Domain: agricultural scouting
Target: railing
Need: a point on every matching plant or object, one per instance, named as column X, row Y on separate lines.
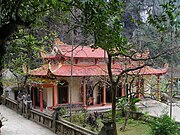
column 12, row 104
column 60, row 127
column 66, row 128
column 42, row 119
column 74, row 106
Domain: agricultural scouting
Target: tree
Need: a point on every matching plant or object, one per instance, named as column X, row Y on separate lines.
column 151, row 37
column 15, row 13
column 24, row 53
column 164, row 125
column 168, row 21
column 104, row 22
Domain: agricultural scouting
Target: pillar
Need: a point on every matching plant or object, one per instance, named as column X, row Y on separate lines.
column 123, row 89
column 84, row 94
column 41, row 99
column 158, row 88
column 138, row 88
column 55, row 94
column 104, row 94
column 33, row 97
column 142, row 87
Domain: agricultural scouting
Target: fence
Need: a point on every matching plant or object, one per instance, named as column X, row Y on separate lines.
column 12, row 104
column 60, row 127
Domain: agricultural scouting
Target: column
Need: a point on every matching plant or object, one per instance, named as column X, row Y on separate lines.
column 138, row 88
column 158, row 88
column 122, row 89
column 41, row 99
column 33, row 97
column 55, row 94
column 104, row 94
column 84, row 94
column 142, row 87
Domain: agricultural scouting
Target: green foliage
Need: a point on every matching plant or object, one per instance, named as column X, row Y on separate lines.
column 135, row 127
column 124, row 105
column 169, row 19
column 121, row 102
column 121, row 105
column 61, row 110
column 102, row 20
column 79, row 119
column 23, row 54
column 25, row 10
column 133, row 101
column 160, row 34
column 164, row 126
column 23, row 50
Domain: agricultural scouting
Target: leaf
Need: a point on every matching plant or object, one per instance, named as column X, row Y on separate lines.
column 54, row 3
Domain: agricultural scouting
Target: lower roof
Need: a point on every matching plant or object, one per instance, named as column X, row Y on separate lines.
column 90, row 70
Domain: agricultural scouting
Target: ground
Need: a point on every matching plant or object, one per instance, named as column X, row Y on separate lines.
column 156, row 108
column 134, row 127
column 18, row 125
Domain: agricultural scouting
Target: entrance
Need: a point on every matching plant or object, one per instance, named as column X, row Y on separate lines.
column 63, row 92
column 36, row 96
column 109, row 93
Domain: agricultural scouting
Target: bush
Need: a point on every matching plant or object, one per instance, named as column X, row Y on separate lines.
column 164, row 126
column 79, row 118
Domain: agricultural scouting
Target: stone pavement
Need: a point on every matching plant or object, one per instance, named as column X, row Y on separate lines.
column 156, row 108
column 18, row 125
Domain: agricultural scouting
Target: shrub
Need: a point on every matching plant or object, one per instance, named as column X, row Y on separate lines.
column 164, row 126
column 62, row 111
column 79, row 118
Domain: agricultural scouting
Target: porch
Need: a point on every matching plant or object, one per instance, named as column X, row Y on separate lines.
column 48, row 96
column 77, row 107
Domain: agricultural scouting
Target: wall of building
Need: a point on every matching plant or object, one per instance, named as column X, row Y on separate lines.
column 49, row 96
column 77, row 94
column 45, row 96
column 95, row 94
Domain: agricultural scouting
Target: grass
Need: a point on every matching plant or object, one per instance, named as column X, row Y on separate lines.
column 134, row 127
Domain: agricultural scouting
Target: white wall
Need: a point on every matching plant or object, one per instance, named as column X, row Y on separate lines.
column 49, row 96
column 45, row 95
column 76, row 90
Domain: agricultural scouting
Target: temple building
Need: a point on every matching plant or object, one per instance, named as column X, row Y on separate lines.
column 76, row 75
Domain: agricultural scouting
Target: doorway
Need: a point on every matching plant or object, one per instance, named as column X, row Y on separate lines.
column 36, row 96
column 63, row 92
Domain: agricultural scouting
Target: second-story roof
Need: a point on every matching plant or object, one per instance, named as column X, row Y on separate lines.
column 81, row 51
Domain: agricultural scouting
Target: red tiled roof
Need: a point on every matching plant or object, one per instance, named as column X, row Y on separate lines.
column 48, row 56
column 78, row 70
column 41, row 71
column 81, row 51
column 91, row 70
column 78, row 51
column 150, row 71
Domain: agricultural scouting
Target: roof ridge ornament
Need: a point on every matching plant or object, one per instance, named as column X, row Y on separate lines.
column 166, row 65
column 50, row 68
column 57, row 41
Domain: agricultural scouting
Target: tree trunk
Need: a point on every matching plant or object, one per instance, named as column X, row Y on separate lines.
column 125, row 120
column 114, row 91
